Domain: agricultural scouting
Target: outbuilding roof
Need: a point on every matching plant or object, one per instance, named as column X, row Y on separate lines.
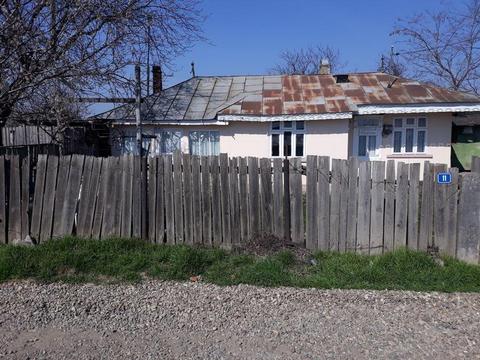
column 206, row 98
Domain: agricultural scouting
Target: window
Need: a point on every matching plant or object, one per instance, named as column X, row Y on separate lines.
column 204, row 143
column 288, row 138
column 368, row 130
column 409, row 135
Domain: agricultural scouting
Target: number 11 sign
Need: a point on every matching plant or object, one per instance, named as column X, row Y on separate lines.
column 444, row 178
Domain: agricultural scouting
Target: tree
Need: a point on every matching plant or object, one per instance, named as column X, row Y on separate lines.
column 307, row 61
column 50, row 49
column 392, row 64
column 443, row 47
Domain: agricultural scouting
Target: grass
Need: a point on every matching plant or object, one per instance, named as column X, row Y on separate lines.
column 119, row 260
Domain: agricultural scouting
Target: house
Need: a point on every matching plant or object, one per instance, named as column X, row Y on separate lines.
column 373, row 115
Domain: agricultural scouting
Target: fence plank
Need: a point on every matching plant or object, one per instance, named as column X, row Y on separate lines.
column 312, row 202
column 25, row 196
column 342, row 237
column 475, row 167
column 469, row 218
column 160, row 203
column 196, row 200
column 224, row 200
column 323, row 202
column 110, row 199
column 234, row 201
column 389, row 222
column 336, row 188
column 413, row 206
column 266, row 195
column 152, row 198
column 452, row 213
column 296, row 201
column 3, row 210
column 364, row 194
column 401, row 206
column 137, row 197
column 127, row 198
column 60, row 193
column 14, row 204
column 177, row 197
column 440, row 208
column 37, row 208
column 85, row 190
column 377, row 207
column 206, row 201
column 243, row 188
column 100, row 203
column 49, row 199
column 168, row 193
column 90, row 207
column 352, row 204
column 426, row 209
column 187, row 199
column 277, row 198
column 216, row 207
column 143, row 199
column 253, row 198
column 72, row 195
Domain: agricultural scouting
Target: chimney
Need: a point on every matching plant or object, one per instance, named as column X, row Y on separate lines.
column 157, row 79
column 324, row 67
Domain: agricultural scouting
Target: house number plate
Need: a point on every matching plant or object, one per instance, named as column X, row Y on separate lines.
column 444, row 178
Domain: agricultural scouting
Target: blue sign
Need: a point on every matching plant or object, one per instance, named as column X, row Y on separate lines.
column 444, row 178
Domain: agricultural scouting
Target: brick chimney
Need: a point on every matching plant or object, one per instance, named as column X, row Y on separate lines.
column 157, row 79
column 324, row 67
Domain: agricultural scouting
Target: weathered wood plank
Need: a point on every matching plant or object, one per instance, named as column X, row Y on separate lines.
column 136, row 197
column 377, row 207
column 216, row 207
column 3, row 202
column 475, row 168
column 266, row 195
column 342, row 237
column 364, row 197
column 49, row 199
column 413, row 206
column 206, row 201
column 312, row 202
column 253, row 198
column 225, row 201
column 426, row 209
column 187, row 198
column 335, row 189
column 440, row 208
column 177, row 197
column 169, row 199
column 401, row 206
column 71, row 195
column 152, row 198
column 452, row 213
column 234, row 201
column 60, row 193
column 389, row 221
column 143, row 199
column 323, row 202
column 90, row 208
column 277, row 198
column 127, row 198
column 352, row 204
column 84, row 195
column 196, row 200
column 14, row 204
column 243, row 188
column 468, row 245
column 25, row 196
column 100, row 202
column 110, row 200
column 160, row 203
column 296, row 200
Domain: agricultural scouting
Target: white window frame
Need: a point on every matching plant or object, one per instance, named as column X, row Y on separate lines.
column 209, row 143
column 403, row 130
column 368, row 130
column 281, row 130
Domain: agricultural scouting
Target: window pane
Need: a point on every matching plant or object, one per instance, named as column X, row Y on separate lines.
column 214, row 143
column 287, row 124
column 421, row 141
column 397, row 141
column 422, row 122
column 299, row 145
column 275, row 145
column 410, row 121
column 168, row 142
column 300, row 125
column 275, row 125
column 368, row 122
column 194, row 143
column 287, row 143
column 129, row 145
column 409, row 140
column 398, row 123
column 204, row 143
column 372, row 145
column 362, row 145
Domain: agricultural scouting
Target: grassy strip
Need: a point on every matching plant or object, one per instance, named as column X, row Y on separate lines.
column 77, row 260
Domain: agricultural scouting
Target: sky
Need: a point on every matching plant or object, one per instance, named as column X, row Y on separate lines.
column 246, row 37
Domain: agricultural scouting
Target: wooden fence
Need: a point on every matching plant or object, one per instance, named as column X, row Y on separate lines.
column 369, row 207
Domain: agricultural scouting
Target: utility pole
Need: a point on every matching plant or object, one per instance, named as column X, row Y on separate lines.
column 138, row 101
column 149, row 22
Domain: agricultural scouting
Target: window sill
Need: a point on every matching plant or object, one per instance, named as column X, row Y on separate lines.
column 409, row 156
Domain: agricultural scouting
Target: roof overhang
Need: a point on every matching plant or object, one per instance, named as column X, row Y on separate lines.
column 286, row 117
column 418, row 108
column 171, row 122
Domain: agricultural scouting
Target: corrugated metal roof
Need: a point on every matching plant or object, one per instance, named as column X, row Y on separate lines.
column 203, row 98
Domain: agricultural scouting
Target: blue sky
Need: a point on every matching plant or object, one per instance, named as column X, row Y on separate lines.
column 246, row 37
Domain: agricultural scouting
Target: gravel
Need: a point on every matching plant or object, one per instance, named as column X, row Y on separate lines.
column 167, row 320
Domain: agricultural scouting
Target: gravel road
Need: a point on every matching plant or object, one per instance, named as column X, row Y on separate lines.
column 166, row 320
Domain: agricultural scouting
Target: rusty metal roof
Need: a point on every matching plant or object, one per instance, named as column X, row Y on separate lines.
column 203, row 98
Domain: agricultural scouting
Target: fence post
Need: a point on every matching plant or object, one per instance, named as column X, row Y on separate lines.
column 286, row 200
